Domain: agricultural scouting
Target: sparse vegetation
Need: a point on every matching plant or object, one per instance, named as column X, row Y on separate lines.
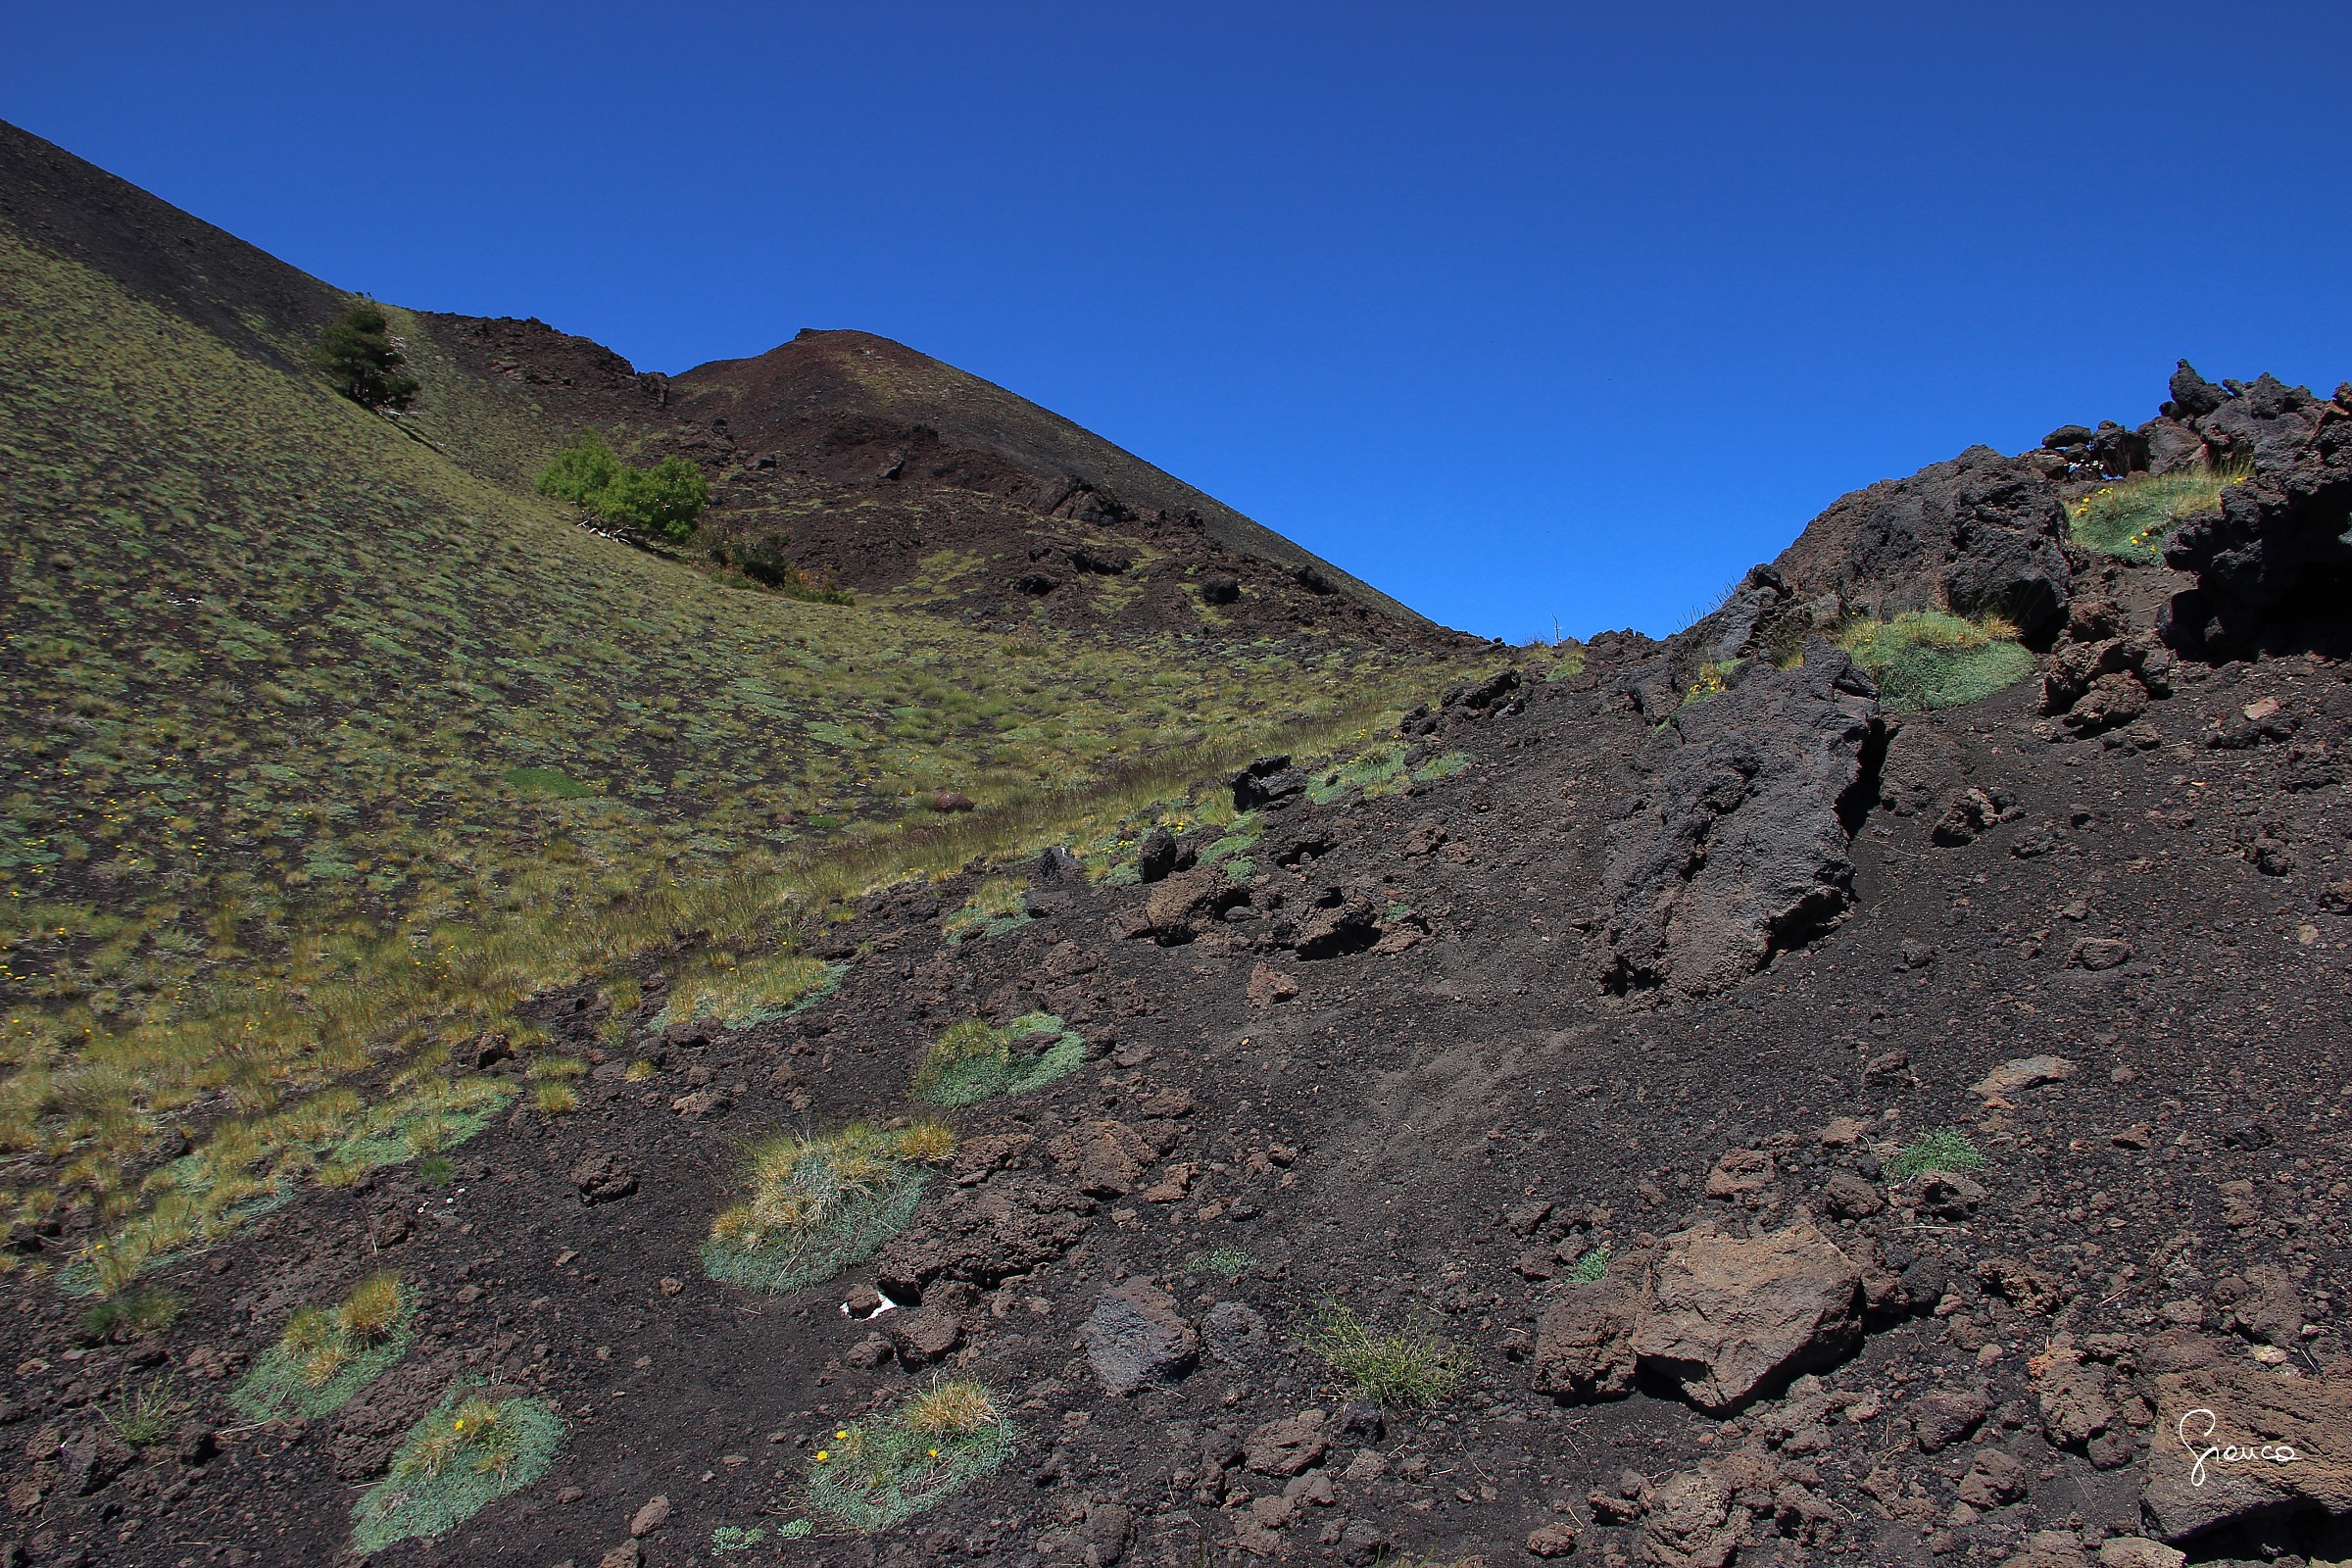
column 995, row 907
column 1227, row 1262
column 1945, row 1148
column 2132, row 517
column 821, row 1202
column 1924, row 658
column 357, row 354
column 148, row 1414
column 975, row 1061
column 740, row 993
column 469, row 1452
column 326, row 1356
column 142, row 1311
column 1591, row 1267
column 554, row 1099
column 874, row 1474
column 1413, row 1365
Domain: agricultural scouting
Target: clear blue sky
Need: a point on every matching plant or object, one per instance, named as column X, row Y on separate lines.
column 1520, row 312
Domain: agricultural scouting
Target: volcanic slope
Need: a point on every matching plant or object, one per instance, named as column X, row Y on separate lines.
column 326, row 738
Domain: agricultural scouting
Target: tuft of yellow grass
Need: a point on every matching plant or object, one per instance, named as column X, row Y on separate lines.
column 374, row 1306
column 953, row 1409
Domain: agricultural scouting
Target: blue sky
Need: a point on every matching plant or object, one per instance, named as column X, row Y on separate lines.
column 1525, row 312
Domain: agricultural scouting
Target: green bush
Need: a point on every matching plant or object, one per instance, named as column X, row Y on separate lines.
column 355, row 352
column 468, row 1453
column 665, row 499
column 1926, row 659
column 973, row 1061
column 2132, row 517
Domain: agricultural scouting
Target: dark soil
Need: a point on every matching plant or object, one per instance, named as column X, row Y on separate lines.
column 2168, row 916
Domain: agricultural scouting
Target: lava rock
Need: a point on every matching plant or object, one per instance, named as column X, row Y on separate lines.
column 1135, row 1339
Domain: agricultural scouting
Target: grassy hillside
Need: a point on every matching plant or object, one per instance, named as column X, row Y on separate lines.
column 324, row 747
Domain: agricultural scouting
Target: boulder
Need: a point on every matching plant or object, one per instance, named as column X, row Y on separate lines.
column 1234, row 1332
column 2234, row 1441
column 1731, row 1314
column 981, row 1234
column 1584, row 1342
column 2021, row 1073
column 1736, row 846
column 1944, row 1417
column 1135, row 1339
column 1690, row 1523
column 1739, row 1171
column 2273, row 563
column 1265, row 781
column 1284, row 1448
column 1349, row 925
column 1185, row 903
column 1994, row 1481
column 600, row 1177
column 1106, row 1158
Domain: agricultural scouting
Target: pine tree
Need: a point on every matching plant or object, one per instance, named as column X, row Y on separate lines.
column 355, row 353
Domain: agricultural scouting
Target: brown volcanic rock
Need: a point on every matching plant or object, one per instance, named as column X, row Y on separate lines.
column 2221, row 1437
column 1728, row 1314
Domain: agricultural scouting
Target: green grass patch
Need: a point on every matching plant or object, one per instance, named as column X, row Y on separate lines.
column 1376, row 773
column 1240, row 836
column 2132, row 518
column 468, row 1453
column 552, row 782
column 1591, row 1267
column 1945, row 1148
column 975, row 1061
column 739, row 994
column 140, row 1311
column 998, row 905
column 1413, row 1365
column 327, row 1354
column 1924, row 658
column 820, row 1203
column 875, row 1473
column 1438, row 768
column 1226, row 1263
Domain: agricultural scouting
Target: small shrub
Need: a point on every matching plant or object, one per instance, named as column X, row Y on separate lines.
column 974, row 1060
column 1945, row 1148
column 581, row 472
column 2132, row 517
column 1924, row 658
column 325, row 1355
column 1590, row 1267
column 1410, row 1366
column 820, row 1204
column 470, row 1451
column 355, row 351
column 874, row 1474
column 146, row 1416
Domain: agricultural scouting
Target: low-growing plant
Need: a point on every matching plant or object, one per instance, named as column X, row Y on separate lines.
column 554, row 1099
column 1924, row 658
column 138, row 1311
column 470, row 1451
column 1228, row 1262
column 2132, row 517
column 1413, row 1365
column 820, row 1203
column 1591, row 1267
column 996, row 906
column 147, row 1415
column 1444, row 767
column 975, row 1061
column 327, row 1354
column 740, row 993
column 1945, row 1148
column 874, row 1474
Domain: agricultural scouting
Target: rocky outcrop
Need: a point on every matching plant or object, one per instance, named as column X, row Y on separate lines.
column 1736, row 847
column 1981, row 533
column 2273, row 563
